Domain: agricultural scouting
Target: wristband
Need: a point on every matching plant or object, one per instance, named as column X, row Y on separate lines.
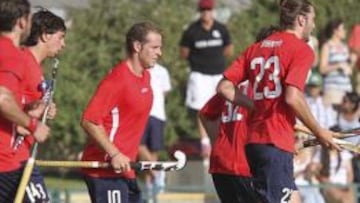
column 114, row 155
column 33, row 124
column 205, row 141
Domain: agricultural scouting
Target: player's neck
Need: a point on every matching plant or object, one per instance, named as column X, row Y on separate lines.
column 15, row 38
column 295, row 32
column 38, row 53
column 135, row 67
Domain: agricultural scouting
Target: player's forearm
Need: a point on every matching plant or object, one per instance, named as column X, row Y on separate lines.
column 184, row 52
column 98, row 133
column 211, row 126
column 10, row 109
column 145, row 154
column 296, row 100
column 227, row 90
column 32, row 105
column 228, row 50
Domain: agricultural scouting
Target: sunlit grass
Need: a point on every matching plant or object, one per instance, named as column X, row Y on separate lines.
column 64, row 183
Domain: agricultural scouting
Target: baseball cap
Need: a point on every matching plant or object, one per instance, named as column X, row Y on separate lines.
column 206, row 4
column 315, row 79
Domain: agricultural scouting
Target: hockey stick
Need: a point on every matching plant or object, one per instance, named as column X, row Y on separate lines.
column 341, row 135
column 139, row 166
column 31, row 161
column 338, row 139
column 342, row 143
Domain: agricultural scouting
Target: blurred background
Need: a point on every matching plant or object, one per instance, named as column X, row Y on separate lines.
column 95, row 43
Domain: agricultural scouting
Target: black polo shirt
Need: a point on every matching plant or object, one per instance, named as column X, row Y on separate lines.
column 206, row 47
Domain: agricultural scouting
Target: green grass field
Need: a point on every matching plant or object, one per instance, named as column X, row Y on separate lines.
column 64, row 183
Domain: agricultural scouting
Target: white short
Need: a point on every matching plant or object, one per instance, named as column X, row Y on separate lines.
column 200, row 89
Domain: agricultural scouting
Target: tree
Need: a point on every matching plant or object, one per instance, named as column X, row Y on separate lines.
column 95, row 43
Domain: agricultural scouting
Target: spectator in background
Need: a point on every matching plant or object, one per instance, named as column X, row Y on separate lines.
column 304, row 175
column 324, row 114
column 354, row 45
column 348, row 117
column 335, row 62
column 335, row 168
column 313, row 42
column 153, row 138
column 205, row 44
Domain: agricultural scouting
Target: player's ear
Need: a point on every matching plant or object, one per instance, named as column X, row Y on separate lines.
column 301, row 19
column 22, row 22
column 137, row 46
column 45, row 37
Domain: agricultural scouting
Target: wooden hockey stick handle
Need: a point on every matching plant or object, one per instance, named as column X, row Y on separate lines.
column 73, row 164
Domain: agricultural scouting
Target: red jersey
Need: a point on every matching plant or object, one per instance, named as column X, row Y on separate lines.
column 12, row 73
column 354, row 41
column 228, row 152
column 34, row 78
column 31, row 92
column 271, row 65
column 122, row 105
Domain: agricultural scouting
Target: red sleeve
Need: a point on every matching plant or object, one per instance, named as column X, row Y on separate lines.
column 299, row 67
column 354, row 40
column 11, row 74
column 236, row 72
column 213, row 108
column 10, row 81
column 104, row 100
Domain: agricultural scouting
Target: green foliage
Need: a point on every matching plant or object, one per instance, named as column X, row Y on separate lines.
column 245, row 25
column 263, row 13
column 95, row 43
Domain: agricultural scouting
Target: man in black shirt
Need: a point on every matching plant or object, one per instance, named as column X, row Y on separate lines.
column 205, row 44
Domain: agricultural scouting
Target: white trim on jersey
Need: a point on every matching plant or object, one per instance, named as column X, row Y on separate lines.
column 115, row 123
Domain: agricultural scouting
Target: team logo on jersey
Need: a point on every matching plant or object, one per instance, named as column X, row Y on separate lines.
column 216, row 34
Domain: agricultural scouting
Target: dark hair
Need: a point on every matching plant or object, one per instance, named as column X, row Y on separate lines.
column 353, row 98
column 265, row 32
column 139, row 32
column 329, row 29
column 44, row 22
column 11, row 11
column 325, row 161
column 290, row 9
